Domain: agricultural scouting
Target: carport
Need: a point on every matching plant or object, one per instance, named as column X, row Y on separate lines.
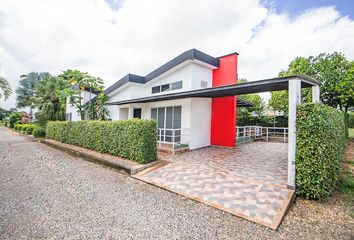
column 291, row 83
column 255, row 181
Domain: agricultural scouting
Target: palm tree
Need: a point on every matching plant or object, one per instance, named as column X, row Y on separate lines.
column 26, row 91
column 49, row 98
column 5, row 89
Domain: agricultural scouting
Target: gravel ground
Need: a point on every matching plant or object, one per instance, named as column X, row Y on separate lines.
column 47, row 194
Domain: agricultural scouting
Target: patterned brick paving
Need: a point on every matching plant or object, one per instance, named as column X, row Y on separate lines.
column 248, row 181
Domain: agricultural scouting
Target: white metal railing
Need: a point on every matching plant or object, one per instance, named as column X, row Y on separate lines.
column 251, row 133
column 173, row 138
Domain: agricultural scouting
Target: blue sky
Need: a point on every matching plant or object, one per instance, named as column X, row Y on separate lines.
column 296, row 7
column 291, row 7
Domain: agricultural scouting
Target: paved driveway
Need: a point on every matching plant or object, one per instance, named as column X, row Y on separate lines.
column 248, row 181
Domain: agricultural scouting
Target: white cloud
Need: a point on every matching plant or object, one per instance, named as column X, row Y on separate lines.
column 141, row 35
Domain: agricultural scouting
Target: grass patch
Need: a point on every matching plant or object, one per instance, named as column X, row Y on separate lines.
column 349, row 162
column 346, row 185
column 351, row 132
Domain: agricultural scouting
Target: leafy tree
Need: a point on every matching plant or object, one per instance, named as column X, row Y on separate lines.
column 4, row 113
column 49, row 99
column 80, row 81
column 346, row 87
column 26, row 90
column 333, row 71
column 244, row 114
column 14, row 118
column 97, row 109
column 5, row 88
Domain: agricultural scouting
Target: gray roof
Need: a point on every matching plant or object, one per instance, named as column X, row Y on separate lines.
column 192, row 54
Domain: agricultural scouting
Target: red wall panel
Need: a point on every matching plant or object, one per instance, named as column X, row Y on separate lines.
column 223, row 111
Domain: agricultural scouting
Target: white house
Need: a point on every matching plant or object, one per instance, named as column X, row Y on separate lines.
column 182, row 121
column 193, row 99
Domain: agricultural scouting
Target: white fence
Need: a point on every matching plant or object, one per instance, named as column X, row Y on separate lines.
column 173, row 138
column 251, row 133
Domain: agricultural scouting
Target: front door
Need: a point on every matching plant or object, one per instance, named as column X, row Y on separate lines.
column 137, row 113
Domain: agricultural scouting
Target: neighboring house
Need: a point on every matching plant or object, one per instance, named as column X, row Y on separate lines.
column 72, row 114
column 25, row 118
column 273, row 113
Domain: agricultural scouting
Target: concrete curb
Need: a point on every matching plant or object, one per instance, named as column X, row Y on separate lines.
column 131, row 170
column 119, row 165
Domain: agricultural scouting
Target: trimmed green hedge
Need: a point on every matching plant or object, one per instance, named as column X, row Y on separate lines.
column 29, row 129
column 38, row 132
column 134, row 139
column 24, row 127
column 320, row 140
column 18, row 127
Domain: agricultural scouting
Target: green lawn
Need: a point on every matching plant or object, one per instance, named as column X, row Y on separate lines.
column 351, row 132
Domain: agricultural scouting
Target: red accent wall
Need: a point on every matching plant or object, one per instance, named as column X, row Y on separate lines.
column 223, row 109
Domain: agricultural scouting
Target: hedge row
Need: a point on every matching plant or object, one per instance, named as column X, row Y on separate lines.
column 30, row 129
column 319, row 148
column 133, row 139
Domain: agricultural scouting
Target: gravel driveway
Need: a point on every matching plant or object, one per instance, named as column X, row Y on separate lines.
column 47, row 194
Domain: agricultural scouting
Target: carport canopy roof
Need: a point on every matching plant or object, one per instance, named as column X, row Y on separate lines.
column 266, row 85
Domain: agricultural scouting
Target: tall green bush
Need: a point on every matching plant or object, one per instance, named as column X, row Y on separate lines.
column 134, row 139
column 18, row 126
column 320, row 140
column 29, row 129
column 38, row 132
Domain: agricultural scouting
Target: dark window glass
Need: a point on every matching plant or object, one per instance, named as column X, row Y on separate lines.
column 169, row 117
column 154, row 113
column 161, row 118
column 165, row 87
column 177, row 85
column 177, row 117
column 155, row 89
column 137, row 113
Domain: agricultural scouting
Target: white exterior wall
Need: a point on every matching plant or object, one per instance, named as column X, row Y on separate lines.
column 200, row 122
column 196, row 112
column 195, row 118
column 199, row 74
column 86, row 96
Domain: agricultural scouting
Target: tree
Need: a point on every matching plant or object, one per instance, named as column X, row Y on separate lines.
column 26, row 90
column 333, row 71
column 256, row 113
column 97, row 109
column 346, row 87
column 14, row 118
column 80, row 81
column 4, row 113
column 49, row 99
column 5, row 88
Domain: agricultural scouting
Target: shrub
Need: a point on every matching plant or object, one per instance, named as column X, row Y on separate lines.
column 29, row 129
column 38, row 132
column 320, row 143
column 24, row 127
column 14, row 118
column 18, row 126
column 134, row 139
